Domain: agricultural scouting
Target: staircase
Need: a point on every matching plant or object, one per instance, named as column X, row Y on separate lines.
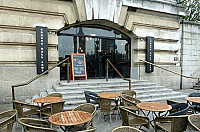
column 73, row 92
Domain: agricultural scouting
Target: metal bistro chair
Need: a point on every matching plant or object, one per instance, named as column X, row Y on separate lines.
column 131, row 93
column 136, row 120
column 193, row 122
column 179, row 109
column 7, row 118
column 126, row 129
column 87, row 107
column 55, row 107
column 195, row 105
column 171, row 123
column 35, row 125
column 130, row 102
column 91, row 97
column 107, row 105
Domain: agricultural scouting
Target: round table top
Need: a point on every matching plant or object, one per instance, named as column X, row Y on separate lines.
column 154, row 106
column 193, row 99
column 47, row 99
column 70, row 118
column 109, row 95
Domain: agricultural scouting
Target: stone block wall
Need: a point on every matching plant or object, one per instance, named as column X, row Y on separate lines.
column 190, row 52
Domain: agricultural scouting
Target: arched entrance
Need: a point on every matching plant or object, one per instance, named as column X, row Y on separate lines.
column 98, row 43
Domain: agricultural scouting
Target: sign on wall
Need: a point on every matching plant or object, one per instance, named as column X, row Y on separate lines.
column 149, row 54
column 41, row 49
column 78, row 65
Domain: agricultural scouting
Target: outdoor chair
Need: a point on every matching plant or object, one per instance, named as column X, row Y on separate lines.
column 130, row 102
column 87, row 107
column 52, row 108
column 25, row 109
column 7, row 118
column 190, row 111
column 171, row 123
column 130, row 93
column 193, row 122
column 179, row 109
column 107, row 105
column 35, row 125
column 55, row 95
column 195, row 105
column 125, row 129
column 91, row 97
column 129, row 118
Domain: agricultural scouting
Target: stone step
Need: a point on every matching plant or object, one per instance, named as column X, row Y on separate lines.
column 99, row 81
column 156, row 95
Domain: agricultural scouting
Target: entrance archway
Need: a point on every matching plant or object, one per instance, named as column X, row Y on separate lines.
column 98, row 42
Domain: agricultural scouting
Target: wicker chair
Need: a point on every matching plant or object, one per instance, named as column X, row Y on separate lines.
column 130, row 93
column 7, row 118
column 87, row 107
column 35, row 125
column 25, row 109
column 193, row 122
column 126, row 129
column 171, row 123
column 107, row 105
column 55, row 95
column 52, row 108
column 136, row 120
column 130, row 103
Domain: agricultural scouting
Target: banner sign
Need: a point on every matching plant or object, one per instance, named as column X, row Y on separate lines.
column 149, row 54
column 41, row 49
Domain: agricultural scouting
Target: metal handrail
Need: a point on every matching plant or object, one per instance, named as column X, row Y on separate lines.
column 38, row 76
column 129, row 80
column 170, row 70
column 195, row 71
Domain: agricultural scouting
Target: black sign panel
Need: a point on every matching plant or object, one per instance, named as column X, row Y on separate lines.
column 149, row 54
column 41, row 49
column 78, row 64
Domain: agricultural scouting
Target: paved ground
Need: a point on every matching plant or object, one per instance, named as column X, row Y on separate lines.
column 101, row 125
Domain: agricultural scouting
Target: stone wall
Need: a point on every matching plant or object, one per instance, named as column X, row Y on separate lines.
column 18, row 43
column 190, row 52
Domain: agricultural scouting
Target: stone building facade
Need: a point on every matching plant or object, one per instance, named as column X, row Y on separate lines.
column 135, row 18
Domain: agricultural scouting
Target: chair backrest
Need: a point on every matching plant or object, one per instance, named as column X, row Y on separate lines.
column 130, row 93
column 125, row 117
column 19, row 108
column 9, row 118
column 180, row 109
column 126, row 129
column 128, row 101
column 57, row 107
column 55, row 95
column 35, row 125
column 87, row 107
column 179, row 123
column 193, row 122
column 91, row 97
column 105, row 104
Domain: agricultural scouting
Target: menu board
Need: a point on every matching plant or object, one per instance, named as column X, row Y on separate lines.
column 78, row 65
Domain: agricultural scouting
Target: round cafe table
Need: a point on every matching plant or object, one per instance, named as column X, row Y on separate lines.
column 109, row 95
column 70, row 118
column 47, row 99
column 153, row 107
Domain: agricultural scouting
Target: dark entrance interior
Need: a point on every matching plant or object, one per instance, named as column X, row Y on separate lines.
column 98, row 45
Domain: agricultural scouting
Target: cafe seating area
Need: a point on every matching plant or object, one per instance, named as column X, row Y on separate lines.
column 121, row 112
